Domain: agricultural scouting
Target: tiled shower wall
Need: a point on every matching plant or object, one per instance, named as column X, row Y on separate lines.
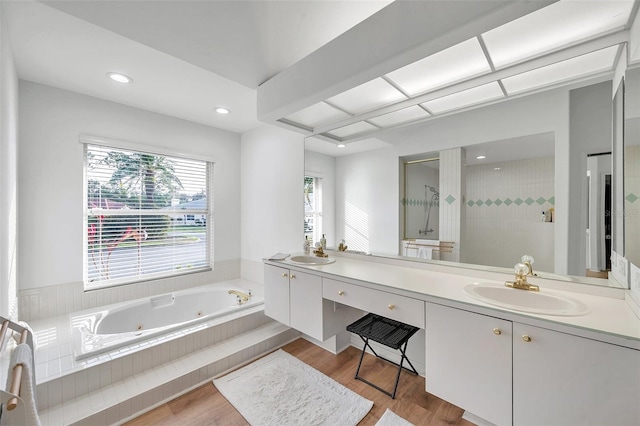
column 45, row 302
column 419, row 202
column 503, row 204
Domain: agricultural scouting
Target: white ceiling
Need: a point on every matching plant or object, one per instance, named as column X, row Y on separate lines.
column 558, row 44
column 185, row 57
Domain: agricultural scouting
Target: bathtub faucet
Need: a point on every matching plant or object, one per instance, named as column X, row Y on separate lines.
column 242, row 297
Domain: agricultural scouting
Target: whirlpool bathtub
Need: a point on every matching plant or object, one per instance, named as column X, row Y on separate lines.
column 111, row 327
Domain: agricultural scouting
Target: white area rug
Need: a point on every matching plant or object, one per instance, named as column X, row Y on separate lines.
column 279, row 389
column 389, row 418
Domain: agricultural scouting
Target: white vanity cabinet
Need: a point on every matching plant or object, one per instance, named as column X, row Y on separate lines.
column 511, row 373
column 468, row 361
column 563, row 379
column 276, row 293
column 295, row 298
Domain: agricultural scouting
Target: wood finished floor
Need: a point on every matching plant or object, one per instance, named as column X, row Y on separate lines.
column 206, row 406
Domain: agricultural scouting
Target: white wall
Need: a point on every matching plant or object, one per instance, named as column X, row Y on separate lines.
column 50, row 175
column 324, row 166
column 8, row 171
column 368, row 201
column 272, row 214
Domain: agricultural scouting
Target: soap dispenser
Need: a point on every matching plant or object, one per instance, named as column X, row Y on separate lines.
column 307, row 244
column 323, row 242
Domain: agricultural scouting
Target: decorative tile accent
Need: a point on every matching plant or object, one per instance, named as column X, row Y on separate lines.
column 410, row 202
column 632, row 198
column 450, row 199
column 507, row 202
column 552, row 200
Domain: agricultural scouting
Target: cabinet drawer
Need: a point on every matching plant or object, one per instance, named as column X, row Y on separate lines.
column 399, row 308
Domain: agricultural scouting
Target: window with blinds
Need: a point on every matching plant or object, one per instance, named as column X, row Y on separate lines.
column 146, row 216
column 313, row 208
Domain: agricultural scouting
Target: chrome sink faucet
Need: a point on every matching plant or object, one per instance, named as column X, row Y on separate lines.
column 520, row 282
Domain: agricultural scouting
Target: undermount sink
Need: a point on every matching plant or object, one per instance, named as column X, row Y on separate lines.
column 310, row 260
column 526, row 301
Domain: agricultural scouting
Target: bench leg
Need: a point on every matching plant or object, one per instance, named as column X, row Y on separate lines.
column 400, row 367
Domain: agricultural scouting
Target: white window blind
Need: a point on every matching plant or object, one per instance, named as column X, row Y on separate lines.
column 146, row 216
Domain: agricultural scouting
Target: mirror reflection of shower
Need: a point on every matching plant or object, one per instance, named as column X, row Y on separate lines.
column 428, row 204
column 420, row 186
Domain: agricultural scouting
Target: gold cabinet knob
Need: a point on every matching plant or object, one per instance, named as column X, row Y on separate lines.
column 284, row 275
column 391, row 306
column 497, row 331
column 526, row 338
column 340, row 292
column 293, row 277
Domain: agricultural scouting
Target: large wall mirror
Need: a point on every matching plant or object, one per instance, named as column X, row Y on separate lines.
column 632, row 166
column 535, row 177
column 547, row 167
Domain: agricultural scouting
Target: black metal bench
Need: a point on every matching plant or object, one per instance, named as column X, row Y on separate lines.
column 387, row 332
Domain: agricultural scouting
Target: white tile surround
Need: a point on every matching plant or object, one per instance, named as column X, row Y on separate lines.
column 51, row 301
column 508, row 220
column 123, row 383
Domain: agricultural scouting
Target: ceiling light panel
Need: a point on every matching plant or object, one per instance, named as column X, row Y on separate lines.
column 353, row 129
column 405, row 115
column 570, row 69
column 486, row 92
column 459, row 62
column 366, row 97
column 558, row 25
column 316, row 115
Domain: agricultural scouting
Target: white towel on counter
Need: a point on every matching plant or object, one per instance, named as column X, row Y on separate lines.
column 435, row 243
column 22, row 355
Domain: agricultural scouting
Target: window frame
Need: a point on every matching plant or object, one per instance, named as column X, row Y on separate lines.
column 316, row 213
column 88, row 141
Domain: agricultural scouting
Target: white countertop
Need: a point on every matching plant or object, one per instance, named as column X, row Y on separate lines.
column 610, row 319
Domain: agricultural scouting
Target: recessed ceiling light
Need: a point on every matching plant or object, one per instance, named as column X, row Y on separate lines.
column 120, row 78
column 481, row 157
column 222, row 110
column 496, row 168
column 341, row 145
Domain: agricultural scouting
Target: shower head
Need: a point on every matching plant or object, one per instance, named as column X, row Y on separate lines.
column 435, row 191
